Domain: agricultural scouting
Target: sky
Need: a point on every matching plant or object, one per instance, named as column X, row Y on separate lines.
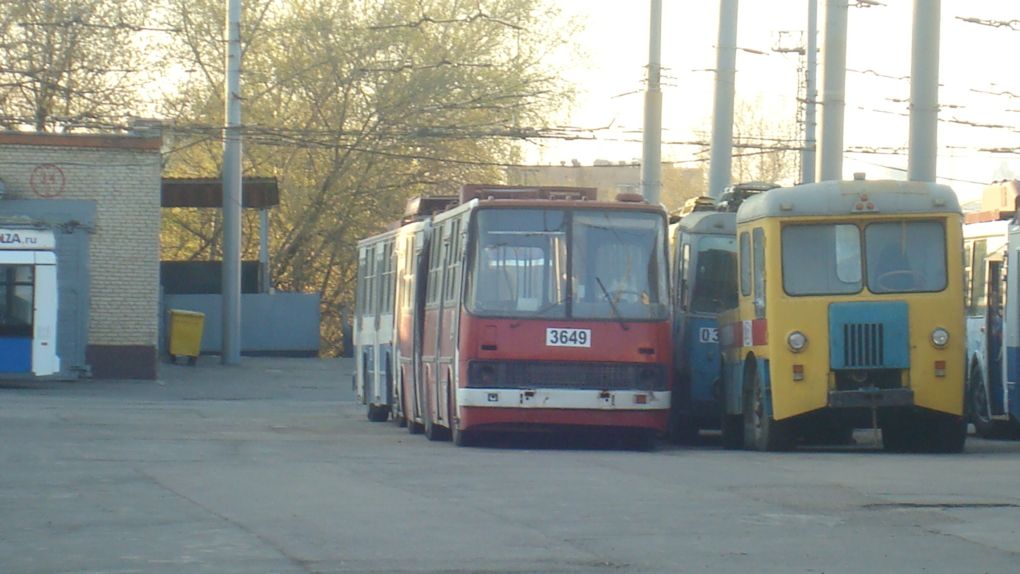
column 979, row 94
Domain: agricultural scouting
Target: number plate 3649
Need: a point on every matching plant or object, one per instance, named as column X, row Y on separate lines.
column 568, row 337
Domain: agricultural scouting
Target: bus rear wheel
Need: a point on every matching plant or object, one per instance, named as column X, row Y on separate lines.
column 378, row 413
column 414, row 427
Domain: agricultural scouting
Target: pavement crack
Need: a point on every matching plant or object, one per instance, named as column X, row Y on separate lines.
column 937, row 505
column 305, row 565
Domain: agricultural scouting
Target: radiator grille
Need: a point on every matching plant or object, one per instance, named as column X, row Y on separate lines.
column 553, row 375
column 863, row 345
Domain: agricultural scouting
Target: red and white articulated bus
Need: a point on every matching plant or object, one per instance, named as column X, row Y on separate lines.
column 388, row 313
column 533, row 308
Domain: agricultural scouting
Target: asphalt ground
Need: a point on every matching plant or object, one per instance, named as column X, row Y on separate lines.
column 271, row 467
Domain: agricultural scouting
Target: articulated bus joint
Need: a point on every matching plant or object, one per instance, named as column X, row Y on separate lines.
column 871, row 398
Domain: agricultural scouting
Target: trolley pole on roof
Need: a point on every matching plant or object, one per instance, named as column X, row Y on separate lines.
column 651, row 158
column 231, row 349
column 720, row 168
column 830, row 158
column 924, row 91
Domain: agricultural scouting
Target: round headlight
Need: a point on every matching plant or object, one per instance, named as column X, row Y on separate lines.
column 797, row 341
column 939, row 337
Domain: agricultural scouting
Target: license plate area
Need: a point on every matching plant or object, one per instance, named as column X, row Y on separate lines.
column 560, row 337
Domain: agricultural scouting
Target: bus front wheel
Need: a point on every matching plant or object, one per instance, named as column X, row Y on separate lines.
column 732, row 426
column 978, row 410
column 732, row 432
column 946, row 433
column 761, row 431
column 463, row 437
column 433, row 432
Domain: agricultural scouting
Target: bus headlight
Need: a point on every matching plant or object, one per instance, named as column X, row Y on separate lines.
column 797, row 341
column 939, row 337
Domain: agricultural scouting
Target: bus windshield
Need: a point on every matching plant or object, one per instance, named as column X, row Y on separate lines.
column 906, row 256
column 834, row 259
column 616, row 264
column 715, row 275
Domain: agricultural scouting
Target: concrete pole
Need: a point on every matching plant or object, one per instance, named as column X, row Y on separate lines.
column 651, row 157
column 808, row 155
column 830, row 160
column 231, row 351
column 924, row 91
column 720, row 166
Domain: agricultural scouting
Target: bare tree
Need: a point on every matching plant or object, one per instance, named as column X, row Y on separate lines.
column 68, row 63
column 765, row 147
column 355, row 106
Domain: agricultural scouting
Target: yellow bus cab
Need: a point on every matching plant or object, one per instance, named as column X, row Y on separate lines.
column 849, row 315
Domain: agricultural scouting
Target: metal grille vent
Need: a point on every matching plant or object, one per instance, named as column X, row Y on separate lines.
column 864, row 345
column 602, row 376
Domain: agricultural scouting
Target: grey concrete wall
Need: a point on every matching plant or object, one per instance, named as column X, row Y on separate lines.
column 271, row 323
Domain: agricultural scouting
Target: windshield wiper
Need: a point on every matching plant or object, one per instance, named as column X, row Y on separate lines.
column 612, row 304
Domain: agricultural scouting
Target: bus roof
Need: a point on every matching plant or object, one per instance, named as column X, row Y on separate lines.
column 549, row 204
column 997, row 228
column 721, row 222
column 856, row 197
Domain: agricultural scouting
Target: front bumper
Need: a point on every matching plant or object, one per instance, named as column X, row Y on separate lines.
column 868, row 398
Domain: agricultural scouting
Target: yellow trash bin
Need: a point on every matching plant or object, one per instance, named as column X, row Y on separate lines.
column 185, row 334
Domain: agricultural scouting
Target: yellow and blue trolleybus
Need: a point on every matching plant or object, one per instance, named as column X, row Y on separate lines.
column 849, row 315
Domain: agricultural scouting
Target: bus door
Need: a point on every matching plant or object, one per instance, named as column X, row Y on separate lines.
column 28, row 312
column 17, row 286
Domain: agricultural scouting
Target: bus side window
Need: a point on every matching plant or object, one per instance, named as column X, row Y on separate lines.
column 968, row 275
column 759, row 272
column 359, row 299
column 745, row 264
column 433, row 288
column 978, row 279
column 685, row 265
column 370, row 283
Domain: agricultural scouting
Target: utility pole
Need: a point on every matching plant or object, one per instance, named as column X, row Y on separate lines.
column 721, row 163
column 231, row 349
column 808, row 155
column 924, row 91
column 651, row 158
column 834, row 90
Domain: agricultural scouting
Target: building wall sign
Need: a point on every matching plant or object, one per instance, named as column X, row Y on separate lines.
column 26, row 239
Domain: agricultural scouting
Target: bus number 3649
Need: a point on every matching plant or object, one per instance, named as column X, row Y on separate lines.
column 568, row 337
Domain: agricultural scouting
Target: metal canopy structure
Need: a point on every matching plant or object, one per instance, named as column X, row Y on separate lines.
column 259, row 192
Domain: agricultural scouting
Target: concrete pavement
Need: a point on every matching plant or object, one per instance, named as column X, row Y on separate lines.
column 270, row 467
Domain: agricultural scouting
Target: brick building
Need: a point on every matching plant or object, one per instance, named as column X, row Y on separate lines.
column 99, row 197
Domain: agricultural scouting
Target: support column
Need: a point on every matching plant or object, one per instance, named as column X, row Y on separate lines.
column 720, row 167
column 924, row 91
column 830, row 160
